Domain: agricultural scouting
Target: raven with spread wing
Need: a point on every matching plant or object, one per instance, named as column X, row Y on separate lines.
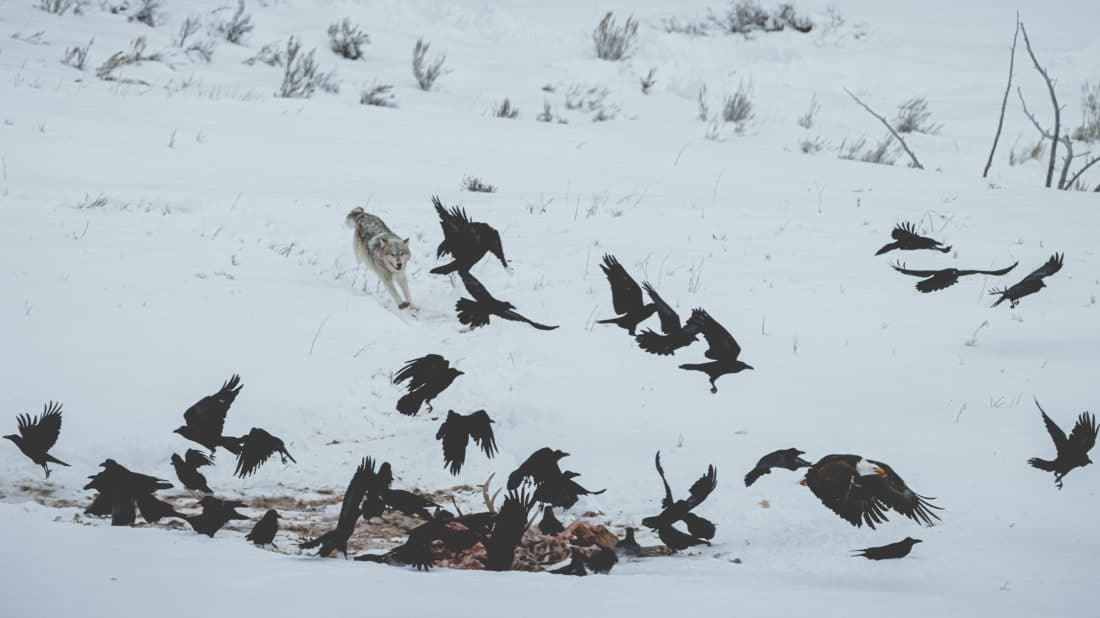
column 676, row 335
column 626, row 297
column 337, row 538
column 935, row 280
column 427, row 377
column 456, row 431
column 723, row 351
column 187, row 470
column 906, row 238
column 1029, row 284
column 465, row 240
column 256, row 448
column 38, row 435
column 786, row 458
column 205, row 421
column 1072, row 452
column 674, row 511
column 476, row 312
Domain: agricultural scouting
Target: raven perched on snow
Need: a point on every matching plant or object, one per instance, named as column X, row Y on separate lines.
column 723, row 350
column 676, row 335
column 476, row 312
column 786, row 458
column 699, row 529
column 464, row 240
column 256, row 448
column 1072, row 451
column 263, row 533
column 427, row 377
column 38, row 435
column 862, row 490
column 626, row 297
column 187, row 470
column 935, row 280
column 906, row 238
column 205, row 420
column 900, row 549
column 456, row 431
column 1029, row 284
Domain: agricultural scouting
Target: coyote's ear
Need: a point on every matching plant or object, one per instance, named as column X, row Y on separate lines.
column 406, row 241
column 382, row 241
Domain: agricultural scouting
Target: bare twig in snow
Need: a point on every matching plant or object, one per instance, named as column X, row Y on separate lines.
column 912, row 156
column 1004, row 101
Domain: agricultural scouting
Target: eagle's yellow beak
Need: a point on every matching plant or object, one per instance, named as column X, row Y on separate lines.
column 879, row 471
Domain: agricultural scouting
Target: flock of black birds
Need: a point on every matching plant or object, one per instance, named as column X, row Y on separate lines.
column 860, row 491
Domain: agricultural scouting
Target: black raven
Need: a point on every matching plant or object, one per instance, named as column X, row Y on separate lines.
column 119, row 490
column 935, row 280
column 187, row 470
column 38, row 435
column 550, row 524
column 408, row 503
column 508, row 528
column 628, row 545
column 256, row 448
column 476, row 312
column 263, row 533
column 680, row 510
column 337, row 538
column 378, row 483
column 676, row 335
column 561, row 490
column 786, row 458
column 1029, row 284
column 900, row 549
column 464, row 240
column 205, row 421
column 541, row 466
column 723, row 350
column 626, row 297
column 862, row 490
column 427, row 377
column 456, row 431
column 215, row 514
column 602, row 559
column 1072, row 451
column 677, row 540
column 906, row 238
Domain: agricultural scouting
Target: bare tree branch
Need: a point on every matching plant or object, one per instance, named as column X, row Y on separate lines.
column 1073, row 180
column 912, row 156
column 1053, row 100
column 1004, row 101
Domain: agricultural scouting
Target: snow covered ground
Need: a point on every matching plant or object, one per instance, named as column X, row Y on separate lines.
column 219, row 247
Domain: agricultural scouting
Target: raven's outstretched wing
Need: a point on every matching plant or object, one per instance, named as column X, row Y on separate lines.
column 626, row 296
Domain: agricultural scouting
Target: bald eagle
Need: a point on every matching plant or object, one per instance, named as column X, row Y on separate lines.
column 862, row 490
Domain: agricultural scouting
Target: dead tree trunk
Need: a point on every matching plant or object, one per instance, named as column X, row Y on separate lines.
column 1004, row 101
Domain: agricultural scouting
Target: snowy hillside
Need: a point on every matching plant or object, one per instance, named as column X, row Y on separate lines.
column 177, row 223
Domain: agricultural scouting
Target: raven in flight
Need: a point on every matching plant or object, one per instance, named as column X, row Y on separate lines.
column 456, row 431
column 256, row 448
column 464, row 240
column 1029, row 284
column 540, row 467
column 935, row 280
column 626, row 297
column 1072, row 452
column 38, row 435
column 562, row 490
column 862, row 490
column 508, row 528
column 680, row 510
column 337, row 538
column 263, row 533
column 906, row 238
column 786, row 458
column 215, row 514
column 723, row 350
column 676, row 335
column 427, row 377
column 205, row 421
column 187, row 470
column 900, row 549
column 476, row 312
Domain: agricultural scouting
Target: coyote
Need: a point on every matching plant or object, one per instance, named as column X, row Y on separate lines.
column 385, row 252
